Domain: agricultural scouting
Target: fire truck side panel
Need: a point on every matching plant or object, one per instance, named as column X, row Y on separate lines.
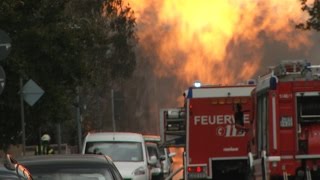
column 292, row 123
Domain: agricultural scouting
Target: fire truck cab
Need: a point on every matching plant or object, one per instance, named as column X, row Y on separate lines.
column 286, row 123
column 215, row 147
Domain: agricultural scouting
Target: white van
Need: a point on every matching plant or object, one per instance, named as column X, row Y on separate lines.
column 127, row 150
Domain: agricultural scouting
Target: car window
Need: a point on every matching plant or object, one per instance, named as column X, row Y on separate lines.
column 153, row 151
column 117, row 151
column 162, row 151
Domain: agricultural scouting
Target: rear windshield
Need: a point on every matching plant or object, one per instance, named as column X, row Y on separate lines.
column 69, row 171
column 6, row 174
column 118, row 151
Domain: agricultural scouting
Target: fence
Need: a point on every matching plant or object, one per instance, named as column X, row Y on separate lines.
column 16, row 150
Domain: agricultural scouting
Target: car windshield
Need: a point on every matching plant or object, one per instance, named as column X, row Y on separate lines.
column 69, row 172
column 118, row 151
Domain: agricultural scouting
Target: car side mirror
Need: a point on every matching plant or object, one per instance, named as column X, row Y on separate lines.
column 172, row 154
column 162, row 158
column 153, row 160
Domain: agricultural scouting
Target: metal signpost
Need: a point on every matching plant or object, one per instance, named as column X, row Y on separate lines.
column 31, row 93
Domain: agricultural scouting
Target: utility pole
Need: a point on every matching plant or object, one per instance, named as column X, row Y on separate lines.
column 22, row 119
column 59, row 136
column 112, row 106
column 30, row 93
column 78, row 119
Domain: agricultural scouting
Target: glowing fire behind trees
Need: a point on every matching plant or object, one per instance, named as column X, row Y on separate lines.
column 216, row 41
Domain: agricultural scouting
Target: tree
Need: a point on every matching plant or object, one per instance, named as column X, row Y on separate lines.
column 313, row 10
column 62, row 45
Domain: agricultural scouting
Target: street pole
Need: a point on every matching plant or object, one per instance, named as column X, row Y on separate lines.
column 79, row 123
column 59, row 136
column 112, row 106
column 22, row 119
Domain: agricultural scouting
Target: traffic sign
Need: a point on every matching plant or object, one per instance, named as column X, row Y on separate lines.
column 2, row 79
column 5, row 44
column 32, row 92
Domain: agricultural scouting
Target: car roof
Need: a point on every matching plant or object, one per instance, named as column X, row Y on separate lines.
column 114, row 136
column 152, row 144
column 62, row 158
column 151, row 138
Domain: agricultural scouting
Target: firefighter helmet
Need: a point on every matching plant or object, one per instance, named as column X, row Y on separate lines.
column 45, row 137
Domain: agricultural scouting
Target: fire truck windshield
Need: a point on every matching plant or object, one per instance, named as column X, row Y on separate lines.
column 308, row 108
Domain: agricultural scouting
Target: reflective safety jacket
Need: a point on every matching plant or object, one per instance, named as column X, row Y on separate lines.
column 43, row 150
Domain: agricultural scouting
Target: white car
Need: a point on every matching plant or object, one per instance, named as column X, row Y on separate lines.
column 166, row 158
column 154, row 153
column 127, row 150
column 167, row 167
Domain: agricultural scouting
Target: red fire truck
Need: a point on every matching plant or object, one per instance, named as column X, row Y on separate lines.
column 286, row 121
column 215, row 147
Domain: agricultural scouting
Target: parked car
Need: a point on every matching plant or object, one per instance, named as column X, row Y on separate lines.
column 10, row 169
column 71, row 167
column 154, row 152
column 166, row 157
column 167, row 167
column 127, row 150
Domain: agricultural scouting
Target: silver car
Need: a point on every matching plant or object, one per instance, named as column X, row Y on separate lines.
column 154, row 153
column 167, row 161
column 72, row 166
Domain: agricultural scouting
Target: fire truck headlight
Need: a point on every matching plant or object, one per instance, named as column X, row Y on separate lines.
column 197, row 84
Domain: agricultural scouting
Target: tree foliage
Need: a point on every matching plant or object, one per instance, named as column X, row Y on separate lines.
column 313, row 11
column 61, row 45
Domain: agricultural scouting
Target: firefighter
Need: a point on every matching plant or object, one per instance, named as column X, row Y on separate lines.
column 238, row 117
column 44, row 147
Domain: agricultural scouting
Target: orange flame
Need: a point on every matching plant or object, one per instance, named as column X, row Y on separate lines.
column 215, row 41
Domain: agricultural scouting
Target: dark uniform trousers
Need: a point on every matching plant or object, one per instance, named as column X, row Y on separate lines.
column 43, row 150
